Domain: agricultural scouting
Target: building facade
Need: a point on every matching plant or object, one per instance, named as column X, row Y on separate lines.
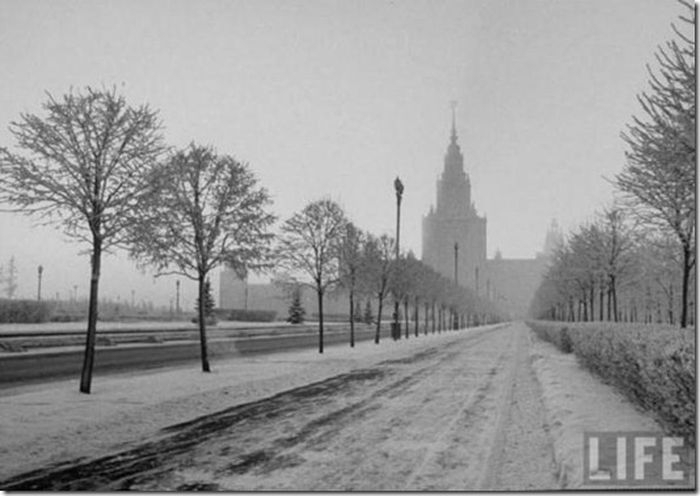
column 453, row 231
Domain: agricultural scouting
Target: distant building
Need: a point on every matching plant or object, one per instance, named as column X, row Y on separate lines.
column 454, row 237
column 453, row 227
column 237, row 293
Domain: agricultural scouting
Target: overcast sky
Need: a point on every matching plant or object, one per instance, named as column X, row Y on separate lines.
column 336, row 98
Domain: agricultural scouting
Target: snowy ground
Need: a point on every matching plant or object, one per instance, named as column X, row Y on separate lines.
column 461, row 410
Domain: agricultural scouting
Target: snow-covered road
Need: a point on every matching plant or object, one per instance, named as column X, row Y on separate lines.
column 456, row 413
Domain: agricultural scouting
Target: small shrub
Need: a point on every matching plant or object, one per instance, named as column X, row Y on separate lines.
column 296, row 311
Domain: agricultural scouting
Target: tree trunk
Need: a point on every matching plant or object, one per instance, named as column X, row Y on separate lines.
column 578, row 309
column 671, row 299
column 613, row 292
column 89, row 357
column 601, row 301
column 319, row 293
column 203, row 324
column 379, row 318
column 416, row 316
column 687, row 267
column 352, row 318
column 405, row 316
column 426, row 315
column 592, row 301
column 572, row 315
column 432, row 316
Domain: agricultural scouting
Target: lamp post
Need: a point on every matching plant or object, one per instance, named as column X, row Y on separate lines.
column 398, row 187
column 454, row 316
column 456, row 253
column 40, row 271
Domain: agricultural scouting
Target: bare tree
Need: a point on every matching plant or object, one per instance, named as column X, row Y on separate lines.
column 309, row 248
column 84, row 165
column 376, row 270
column 350, row 259
column 205, row 210
column 660, row 175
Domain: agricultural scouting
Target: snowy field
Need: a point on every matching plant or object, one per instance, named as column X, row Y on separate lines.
column 485, row 408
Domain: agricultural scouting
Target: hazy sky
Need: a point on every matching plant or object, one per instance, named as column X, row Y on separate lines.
column 336, row 98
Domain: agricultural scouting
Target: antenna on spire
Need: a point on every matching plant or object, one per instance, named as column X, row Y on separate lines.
column 453, row 105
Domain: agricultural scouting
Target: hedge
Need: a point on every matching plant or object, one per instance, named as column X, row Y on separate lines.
column 654, row 366
column 24, row 311
column 246, row 315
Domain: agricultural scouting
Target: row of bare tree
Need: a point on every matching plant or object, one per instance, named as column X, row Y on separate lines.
column 639, row 256
column 615, row 269
column 321, row 249
column 102, row 169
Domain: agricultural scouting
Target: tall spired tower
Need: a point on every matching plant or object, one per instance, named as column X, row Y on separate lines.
column 454, row 235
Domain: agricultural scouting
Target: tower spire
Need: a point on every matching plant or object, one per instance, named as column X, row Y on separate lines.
column 453, row 104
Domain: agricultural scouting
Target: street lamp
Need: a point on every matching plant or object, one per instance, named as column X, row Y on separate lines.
column 40, row 270
column 455, row 326
column 456, row 253
column 398, row 187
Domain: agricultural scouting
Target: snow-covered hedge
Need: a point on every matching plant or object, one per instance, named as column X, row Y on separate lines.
column 653, row 365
